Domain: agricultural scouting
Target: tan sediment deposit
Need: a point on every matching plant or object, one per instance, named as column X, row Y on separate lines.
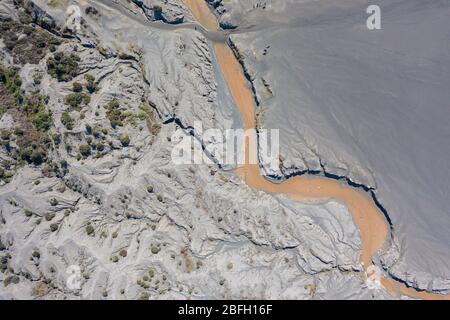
column 369, row 219
column 202, row 14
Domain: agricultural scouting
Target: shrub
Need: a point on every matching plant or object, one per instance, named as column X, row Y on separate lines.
column 42, row 121
column 91, row 10
column 75, row 99
column 77, row 87
column 49, row 216
column 155, row 249
column 40, row 289
column 25, row 154
column 114, row 114
column 90, row 83
column 37, row 79
column 56, row 138
column 37, row 156
column 90, row 230
column 63, row 67
column 85, row 150
column 123, row 253
column 125, row 140
column 53, row 227
column 67, row 121
column 13, row 83
column 144, row 296
column 100, row 146
column 11, row 279
column 157, row 11
column 31, row 155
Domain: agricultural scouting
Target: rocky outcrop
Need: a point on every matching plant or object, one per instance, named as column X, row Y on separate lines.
column 169, row 11
column 35, row 13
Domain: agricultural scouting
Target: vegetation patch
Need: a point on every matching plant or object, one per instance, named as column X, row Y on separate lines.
column 63, row 67
column 67, row 120
column 90, row 230
column 26, row 42
column 32, row 121
column 91, row 86
column 148, row 115
column 85, row 150
column 125, row 140
column 76, row 99
column 115, row 115
column 77, row 87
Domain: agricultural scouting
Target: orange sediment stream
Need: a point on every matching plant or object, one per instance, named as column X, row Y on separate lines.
column 368, row 218
column 202, row 14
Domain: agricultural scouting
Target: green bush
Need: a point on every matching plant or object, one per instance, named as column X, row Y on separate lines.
column 85, row 150
column 123, row 253
column 125, row 140
column 157, row 8
column 90, row 83
column 25, row 154
column 67, row 121
column 42, row 121
column 49, row 216
column 114, row 114
column 28, row 212
column 77, row 87
column 75, row 99
column 90, row 230
column 11, row 279
column 63, row 67
column 31, row 155
column 155, row 249
column 13, row 83
column 144, row 296
column 37, row 156
column 100, row 146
